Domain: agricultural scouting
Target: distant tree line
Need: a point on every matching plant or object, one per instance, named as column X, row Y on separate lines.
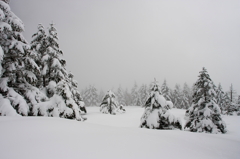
column 181, row 97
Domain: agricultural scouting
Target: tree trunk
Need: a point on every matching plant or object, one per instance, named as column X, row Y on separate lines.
column 44, row 82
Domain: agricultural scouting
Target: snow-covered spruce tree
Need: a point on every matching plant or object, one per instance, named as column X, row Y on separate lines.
column 230, row 108
column 120, row 96
column 225, row 103
column 232, row 94
column 75, row 93
column 238, row 101
column 90, row 95
column 49, row 55
column 165, row 90
column 220, row 97
column 64, row 99
column 39, row 46
column 127, row 97
column 177, row 96
column 100, row 96
column 109, row 104
column 54, row 65
column 204, row 114
column 185, row 97
column 238, row 105
column 156, row 114
column 19, row 69
column 143, row 93
column 135, row 96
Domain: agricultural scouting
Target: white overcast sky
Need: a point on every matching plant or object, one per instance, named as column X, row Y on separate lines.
column 111, row 42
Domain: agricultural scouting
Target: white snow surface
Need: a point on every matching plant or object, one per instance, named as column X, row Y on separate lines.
column 105, row 136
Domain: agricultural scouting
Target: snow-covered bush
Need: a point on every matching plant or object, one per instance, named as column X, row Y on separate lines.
column 109, row 104
column 204, row 114
column 156, row 114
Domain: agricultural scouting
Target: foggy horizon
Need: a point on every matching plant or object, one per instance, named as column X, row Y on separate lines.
column 110, row 43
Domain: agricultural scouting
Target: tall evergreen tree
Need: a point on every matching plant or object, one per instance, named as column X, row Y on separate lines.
column 185, row 98
column 166, row 90
column 127, row 97
column 100, row 96
column 50, row 60
column 135, row 96
column 225, row 103
column 54, row 68
column 220, row 97
column 91, row 96
column 77, row 97
column 232, row 94
column 61, row 89
column 156, row 114
column 39, row 46
column 177, row 96
column 120, row 96
column 143, row 94
column 204, row 114
column 238, row 101
column 230, row 108
column 18, row 75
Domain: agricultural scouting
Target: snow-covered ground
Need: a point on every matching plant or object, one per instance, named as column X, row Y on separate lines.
column 105, row 136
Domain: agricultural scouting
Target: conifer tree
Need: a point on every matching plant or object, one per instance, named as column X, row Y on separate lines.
column 100, row 96
column 143, row 93
column 127, row 97
column 110, row 105
column 204, row 114
column 39, row 46
column 120, row 96
column 238, row 105
column 185, row 97
column 135, row 96
column 220, row 97
column 165, row 90
column 90, row 96
column 18, row 75
column 60, row 87
column 75, row 93
column 156, row 114
column 225, row 103
column 54, row 68
column 238, row 101
column 230, row 108
column 177, row 96
column 232, row 93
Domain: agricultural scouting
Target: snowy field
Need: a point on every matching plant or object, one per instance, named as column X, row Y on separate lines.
column 105, row 136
